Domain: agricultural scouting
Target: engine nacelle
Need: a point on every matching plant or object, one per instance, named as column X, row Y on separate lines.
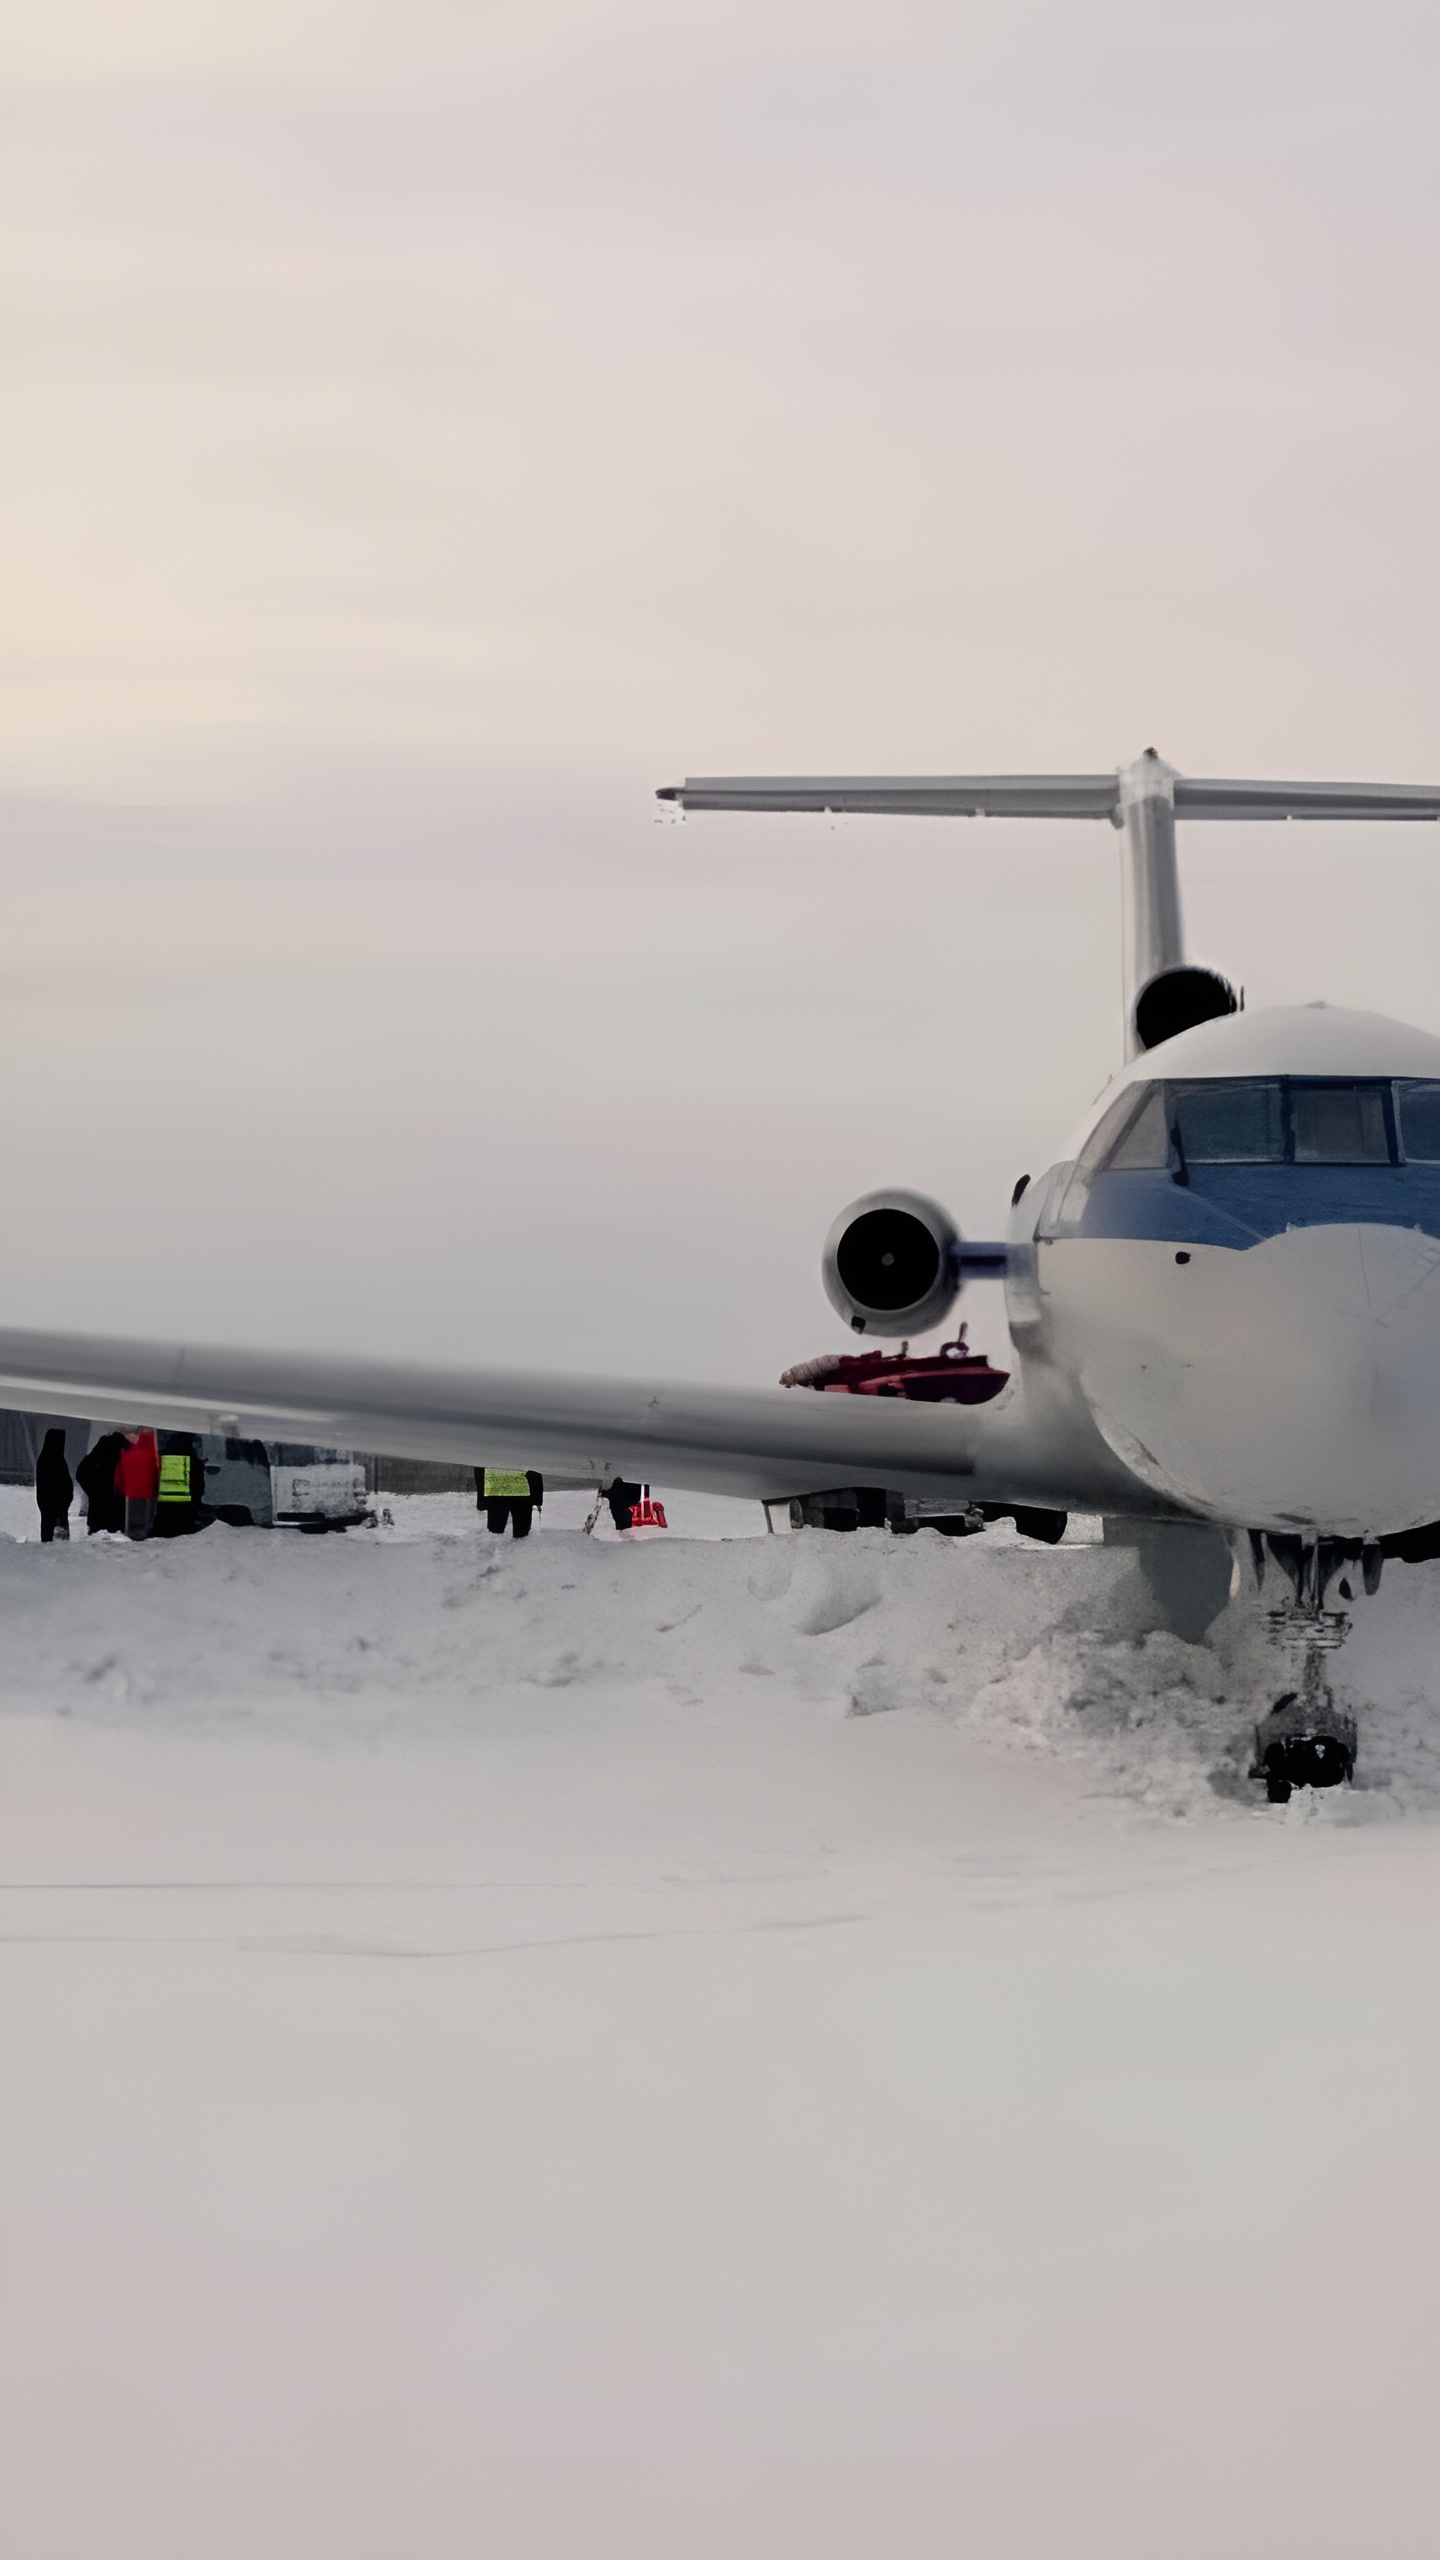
column 891, row 1263
column 1179, row 998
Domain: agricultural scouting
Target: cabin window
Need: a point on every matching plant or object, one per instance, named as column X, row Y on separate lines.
column 1224, row 1123
column 1340, row 1124
column 1420, row 1122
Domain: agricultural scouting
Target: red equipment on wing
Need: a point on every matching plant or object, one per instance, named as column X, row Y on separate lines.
column 952, row 1375
column 646, row 1514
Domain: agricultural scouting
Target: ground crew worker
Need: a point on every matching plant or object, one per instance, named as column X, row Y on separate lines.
column 506, row 1494
column 137, row 1481
column 182, row 1485
column 95, row 1476
column 622, row 1498
column 54, row 1487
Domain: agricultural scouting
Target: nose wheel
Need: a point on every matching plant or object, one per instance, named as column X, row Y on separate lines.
column 1304, row 1743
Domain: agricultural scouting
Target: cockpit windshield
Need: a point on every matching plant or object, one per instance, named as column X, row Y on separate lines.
column 1266, row 1120
column 1228, row 1123
column 1184, row 1127
column 1340, row 1124
column 1419, row 1122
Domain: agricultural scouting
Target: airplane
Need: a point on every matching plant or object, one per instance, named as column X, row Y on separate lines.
column 1223, row 1295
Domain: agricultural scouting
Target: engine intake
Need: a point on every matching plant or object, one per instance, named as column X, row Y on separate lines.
column 891, row 1263
column 1177, row 1000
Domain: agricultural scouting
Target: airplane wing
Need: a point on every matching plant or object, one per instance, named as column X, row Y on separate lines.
column 766, row 1443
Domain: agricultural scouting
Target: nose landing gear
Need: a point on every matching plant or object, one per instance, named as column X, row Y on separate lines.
column 1306, row 1740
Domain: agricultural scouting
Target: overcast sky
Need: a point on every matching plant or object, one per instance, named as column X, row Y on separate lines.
column 425, row 429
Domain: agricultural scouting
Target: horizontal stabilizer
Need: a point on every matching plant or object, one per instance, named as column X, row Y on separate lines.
column 936, row 795
column 1304, row 799
column 1046, row 795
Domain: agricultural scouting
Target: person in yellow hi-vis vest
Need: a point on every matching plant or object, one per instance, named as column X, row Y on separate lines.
column 506, row 1494
column 181, row 1489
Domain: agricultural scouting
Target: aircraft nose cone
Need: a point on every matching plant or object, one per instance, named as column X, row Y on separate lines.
column 1295, row 1385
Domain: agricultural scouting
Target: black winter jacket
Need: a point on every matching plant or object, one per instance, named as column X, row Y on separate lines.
column 95, row 1474
column 54, row 1484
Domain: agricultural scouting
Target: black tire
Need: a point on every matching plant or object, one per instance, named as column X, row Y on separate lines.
column 1328, row 1763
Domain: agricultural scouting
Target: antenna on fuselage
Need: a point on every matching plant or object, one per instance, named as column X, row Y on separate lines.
column 1163, row 992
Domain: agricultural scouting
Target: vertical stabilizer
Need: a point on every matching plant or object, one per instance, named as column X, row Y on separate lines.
column 1150, row 881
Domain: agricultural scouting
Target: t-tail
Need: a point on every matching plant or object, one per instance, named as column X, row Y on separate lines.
column 1163, row 992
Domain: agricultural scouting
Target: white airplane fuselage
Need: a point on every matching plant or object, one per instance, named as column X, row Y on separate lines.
column 1235, row 1270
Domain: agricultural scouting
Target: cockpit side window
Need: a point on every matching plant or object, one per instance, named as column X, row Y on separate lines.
column 1131, row 1133
column 1339, row 1124
column 1419, row 1113
column 1229, row 1123
column 1144, row 1143
column 1110, row 1137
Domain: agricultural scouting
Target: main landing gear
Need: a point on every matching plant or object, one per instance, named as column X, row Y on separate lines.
column 1306, row 1740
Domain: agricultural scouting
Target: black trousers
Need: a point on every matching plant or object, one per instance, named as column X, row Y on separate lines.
column 175, row 1519
column 517, row 1509
column 50, row 1521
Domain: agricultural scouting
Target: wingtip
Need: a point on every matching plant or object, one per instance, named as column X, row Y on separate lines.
column 670, row 791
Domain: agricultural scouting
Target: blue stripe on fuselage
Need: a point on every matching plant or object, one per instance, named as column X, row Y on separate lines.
column 1241, row 1204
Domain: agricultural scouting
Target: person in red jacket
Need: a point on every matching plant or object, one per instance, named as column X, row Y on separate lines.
column 137, row 1481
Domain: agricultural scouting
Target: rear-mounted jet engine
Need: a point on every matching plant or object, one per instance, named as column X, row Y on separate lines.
column 890, row 1263
column 894, row 1262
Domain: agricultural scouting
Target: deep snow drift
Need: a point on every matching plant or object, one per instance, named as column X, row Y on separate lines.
column 796, row 2044
column 427, row 1626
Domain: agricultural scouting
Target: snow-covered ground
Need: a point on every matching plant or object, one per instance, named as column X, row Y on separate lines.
column 706, row 2045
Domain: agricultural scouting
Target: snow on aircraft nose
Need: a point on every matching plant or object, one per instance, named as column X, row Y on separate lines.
column 1293, row 1386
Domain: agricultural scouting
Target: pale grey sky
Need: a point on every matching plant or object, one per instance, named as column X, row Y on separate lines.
column 427, row 429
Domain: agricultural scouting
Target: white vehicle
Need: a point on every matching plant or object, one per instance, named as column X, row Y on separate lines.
column 316, row 1488
column 1224, row 1293
column 283, row 1484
